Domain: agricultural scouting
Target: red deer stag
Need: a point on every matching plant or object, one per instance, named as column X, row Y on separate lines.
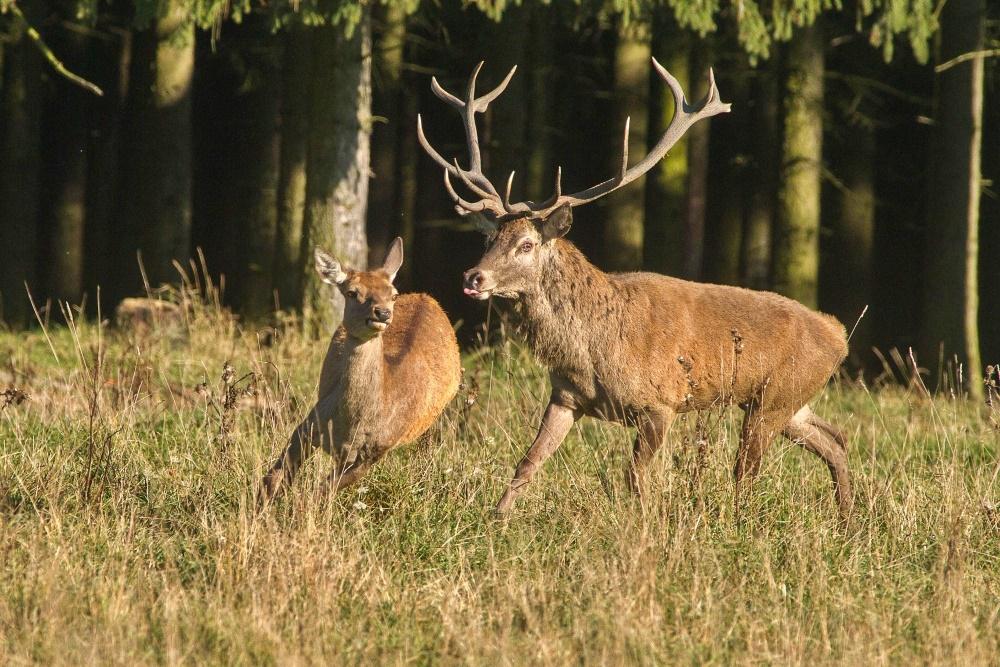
column 391, row 368
column 639, row 348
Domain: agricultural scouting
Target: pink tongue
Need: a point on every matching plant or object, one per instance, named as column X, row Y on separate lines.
column 470, row 292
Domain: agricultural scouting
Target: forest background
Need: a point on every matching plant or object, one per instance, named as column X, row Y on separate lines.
column 855, row 173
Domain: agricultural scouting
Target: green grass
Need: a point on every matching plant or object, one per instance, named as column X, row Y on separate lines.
column 127, row 536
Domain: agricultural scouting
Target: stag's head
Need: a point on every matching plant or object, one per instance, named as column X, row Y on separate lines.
column 521, row 234
column 369, row 296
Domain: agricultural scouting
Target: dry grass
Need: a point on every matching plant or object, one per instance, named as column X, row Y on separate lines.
column 126, row 534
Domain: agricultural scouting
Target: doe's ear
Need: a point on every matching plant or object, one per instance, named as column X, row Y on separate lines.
column 558, row 223
column 393, row 258
column 329, row 268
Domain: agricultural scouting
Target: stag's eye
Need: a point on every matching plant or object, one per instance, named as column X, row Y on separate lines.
column 395, row 296
column 352, row 294
column 525, row 247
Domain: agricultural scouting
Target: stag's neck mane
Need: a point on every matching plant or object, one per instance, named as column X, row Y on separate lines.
column 559, row 317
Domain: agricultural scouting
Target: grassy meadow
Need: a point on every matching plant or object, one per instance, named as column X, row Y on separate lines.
column 128, row 536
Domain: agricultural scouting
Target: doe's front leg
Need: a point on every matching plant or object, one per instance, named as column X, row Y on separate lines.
column 315, row 430
column 556, row 423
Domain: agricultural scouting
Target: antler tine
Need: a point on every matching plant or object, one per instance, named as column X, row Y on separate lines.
column 483, row 101
column 444, row 95
column 506, row 194
column 486, row 191
column 621, row 175
column 469, row 121
column 422, row 138
column 684, row 117
column 470, row 207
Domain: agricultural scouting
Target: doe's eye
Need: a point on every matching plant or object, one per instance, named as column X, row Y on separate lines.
column 352, row 294
column 395, row 296
column 525, row 247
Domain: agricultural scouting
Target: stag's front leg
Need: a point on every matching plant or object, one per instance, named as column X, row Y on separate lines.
column 315, row 430
column 556, row 423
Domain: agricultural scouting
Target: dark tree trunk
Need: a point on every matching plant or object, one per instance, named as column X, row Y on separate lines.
column 666, row 183
column 696, row 198
column 847, row 255
column 951, row 289
column 19, row 176
column 506, row 123
column 762, row 181
column 796, row 239
column 102, row 236
column 295, row 100
column 727, row 176
column 540, row 171
column 63, row 204
column 256, row 162
column 157, row 165
column 387, row 101
column 337, row 173
column 624, row 212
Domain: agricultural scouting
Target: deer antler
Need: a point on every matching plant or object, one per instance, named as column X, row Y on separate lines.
column 501, row 208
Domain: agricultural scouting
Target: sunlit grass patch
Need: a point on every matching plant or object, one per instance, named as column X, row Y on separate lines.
column 128, row 533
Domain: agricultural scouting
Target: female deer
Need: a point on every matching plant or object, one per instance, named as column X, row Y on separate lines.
column 391, row 368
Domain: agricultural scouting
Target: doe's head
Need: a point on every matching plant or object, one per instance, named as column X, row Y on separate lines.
column 516, row 252
column 369, row 296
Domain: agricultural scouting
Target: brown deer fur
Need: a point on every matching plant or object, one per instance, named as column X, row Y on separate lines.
column 638, row 348
column 391, row 368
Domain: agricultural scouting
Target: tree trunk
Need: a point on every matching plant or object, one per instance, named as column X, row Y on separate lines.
column 624, row 211
column 950, row 285
column 19, row 175
column 727, row 176
column 63, row 204
column 387, row 99
column 696, row 197
column 157, row 177
column 113, row 58
column 762, row 180
column 796, row 242
column 666, row 183
column 847, row 254
column 337, row 173
column 296, row 80
column 256, row 165
column 540, row 175
column 506, row 121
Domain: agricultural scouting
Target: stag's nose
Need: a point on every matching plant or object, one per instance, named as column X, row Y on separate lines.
column 382, row 314
column 473, row 278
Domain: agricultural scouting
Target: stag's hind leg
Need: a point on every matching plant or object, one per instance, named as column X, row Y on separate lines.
column 827, row 442
column 652, row 431
column 761, row 424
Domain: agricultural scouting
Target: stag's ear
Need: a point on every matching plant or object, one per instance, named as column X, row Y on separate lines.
column 393, row 258
column 558, row 223
column 483, row 224
column 329, row 268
